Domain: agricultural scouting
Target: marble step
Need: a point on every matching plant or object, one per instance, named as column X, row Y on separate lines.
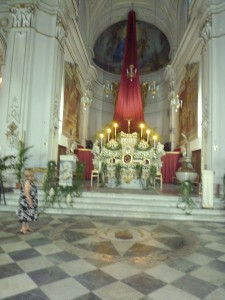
column 127, row 205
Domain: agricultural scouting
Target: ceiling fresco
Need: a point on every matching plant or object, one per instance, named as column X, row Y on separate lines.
column 152, row 46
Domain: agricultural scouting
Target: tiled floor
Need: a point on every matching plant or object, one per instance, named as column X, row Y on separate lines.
column 77, row 257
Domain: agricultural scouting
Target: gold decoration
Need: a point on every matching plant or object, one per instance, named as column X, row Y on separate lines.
column 144, row 93
column 115, row 91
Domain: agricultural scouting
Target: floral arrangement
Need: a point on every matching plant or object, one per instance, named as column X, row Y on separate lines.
column 143, row 145
column 113, row 145
column 55, row 193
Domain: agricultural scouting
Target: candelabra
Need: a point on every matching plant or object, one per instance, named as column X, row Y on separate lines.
column 176, row 103
column 131, row 72
column 108, row 88
column 153, row 89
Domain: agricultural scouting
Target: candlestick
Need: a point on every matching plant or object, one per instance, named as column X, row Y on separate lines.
column 148, row 132
column 142, row 126
column 115, row 125
column 109, row 130
column 154, row 138
column 128, row 123
column 101, row 136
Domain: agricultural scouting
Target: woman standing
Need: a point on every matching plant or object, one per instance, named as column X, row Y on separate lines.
column 28, row 202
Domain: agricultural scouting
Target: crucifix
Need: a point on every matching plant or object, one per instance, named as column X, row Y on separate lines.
column 128, row 123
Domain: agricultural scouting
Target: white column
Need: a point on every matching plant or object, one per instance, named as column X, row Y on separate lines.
column 213, row 89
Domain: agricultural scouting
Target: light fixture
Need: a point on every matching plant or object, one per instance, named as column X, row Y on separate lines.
column 86, row 99
column 108, row 88
column 131, row 72
column 176, row 102
column 153, row 89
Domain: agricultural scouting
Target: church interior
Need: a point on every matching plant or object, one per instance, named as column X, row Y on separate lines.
column 116, row 107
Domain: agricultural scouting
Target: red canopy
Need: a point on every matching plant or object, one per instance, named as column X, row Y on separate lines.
column 129, row 103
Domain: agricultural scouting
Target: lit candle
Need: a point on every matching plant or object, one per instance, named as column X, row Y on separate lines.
column 109, row 130
column 142, row 126
column 115, row 125
column 148, row 132
column 154, row 138
column 101, row 136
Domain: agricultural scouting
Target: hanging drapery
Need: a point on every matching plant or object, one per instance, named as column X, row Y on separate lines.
column 129, row 103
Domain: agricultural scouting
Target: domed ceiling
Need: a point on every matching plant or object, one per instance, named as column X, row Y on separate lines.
column 152, row 46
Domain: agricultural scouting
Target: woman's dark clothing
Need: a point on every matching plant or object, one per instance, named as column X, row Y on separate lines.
column 25, row 212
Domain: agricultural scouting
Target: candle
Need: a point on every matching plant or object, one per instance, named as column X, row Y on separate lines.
column 142, row 126
column 109, row 130
column 154, row 138
column 148, row 132
column 101, row 136
column 115, row 125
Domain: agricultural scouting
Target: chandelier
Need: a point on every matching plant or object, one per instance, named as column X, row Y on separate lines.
column 108, row 88
column 131, row 72
column 153, row 88
column 176, row 103
column 86, row 99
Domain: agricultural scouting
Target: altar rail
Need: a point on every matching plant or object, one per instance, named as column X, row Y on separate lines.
column 169, row 167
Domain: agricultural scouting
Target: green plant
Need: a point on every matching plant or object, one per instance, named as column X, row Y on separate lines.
column 21, row 158
column 153, row 171
column 55, row 193
column 103, row 173
column 117, row 174
column 186, row 201
column 50, row 182
column 139, row 170
column 6, row 163
column 151, row 177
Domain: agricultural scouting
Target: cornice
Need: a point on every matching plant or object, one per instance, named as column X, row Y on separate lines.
column 189, row 50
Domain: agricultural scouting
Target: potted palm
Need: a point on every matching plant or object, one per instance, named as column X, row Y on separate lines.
column 21, row 158
column 5, row 164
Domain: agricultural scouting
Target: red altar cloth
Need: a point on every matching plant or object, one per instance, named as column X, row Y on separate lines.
column 85, row 156
column 170, row 166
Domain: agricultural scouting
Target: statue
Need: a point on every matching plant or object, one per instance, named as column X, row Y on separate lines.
column 186, row 146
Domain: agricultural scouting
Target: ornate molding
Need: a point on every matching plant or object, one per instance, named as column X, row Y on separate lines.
column 60, row 30
column 169, row 74
column 56, row 115
column 12, row 133
column 3, row 48
column 14, row 110
column 205, row 121
column 205, row 33
column 22, row 16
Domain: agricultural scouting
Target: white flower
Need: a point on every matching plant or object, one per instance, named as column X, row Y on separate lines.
column 68, row 199
column 143, row 145
column 51, row 192
column 113, row 144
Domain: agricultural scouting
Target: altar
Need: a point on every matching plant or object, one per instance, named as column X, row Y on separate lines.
column 128, row 161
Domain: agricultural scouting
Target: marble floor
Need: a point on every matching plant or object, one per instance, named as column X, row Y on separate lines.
column 79, row 257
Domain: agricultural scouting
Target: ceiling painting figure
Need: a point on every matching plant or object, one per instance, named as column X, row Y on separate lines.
column 152, row 46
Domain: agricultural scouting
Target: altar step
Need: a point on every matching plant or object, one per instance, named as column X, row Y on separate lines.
column 129, row 205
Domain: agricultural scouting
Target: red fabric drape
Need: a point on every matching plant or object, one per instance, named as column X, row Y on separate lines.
column 129, row 103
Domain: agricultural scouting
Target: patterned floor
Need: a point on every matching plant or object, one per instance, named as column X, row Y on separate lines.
column 73, row 257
